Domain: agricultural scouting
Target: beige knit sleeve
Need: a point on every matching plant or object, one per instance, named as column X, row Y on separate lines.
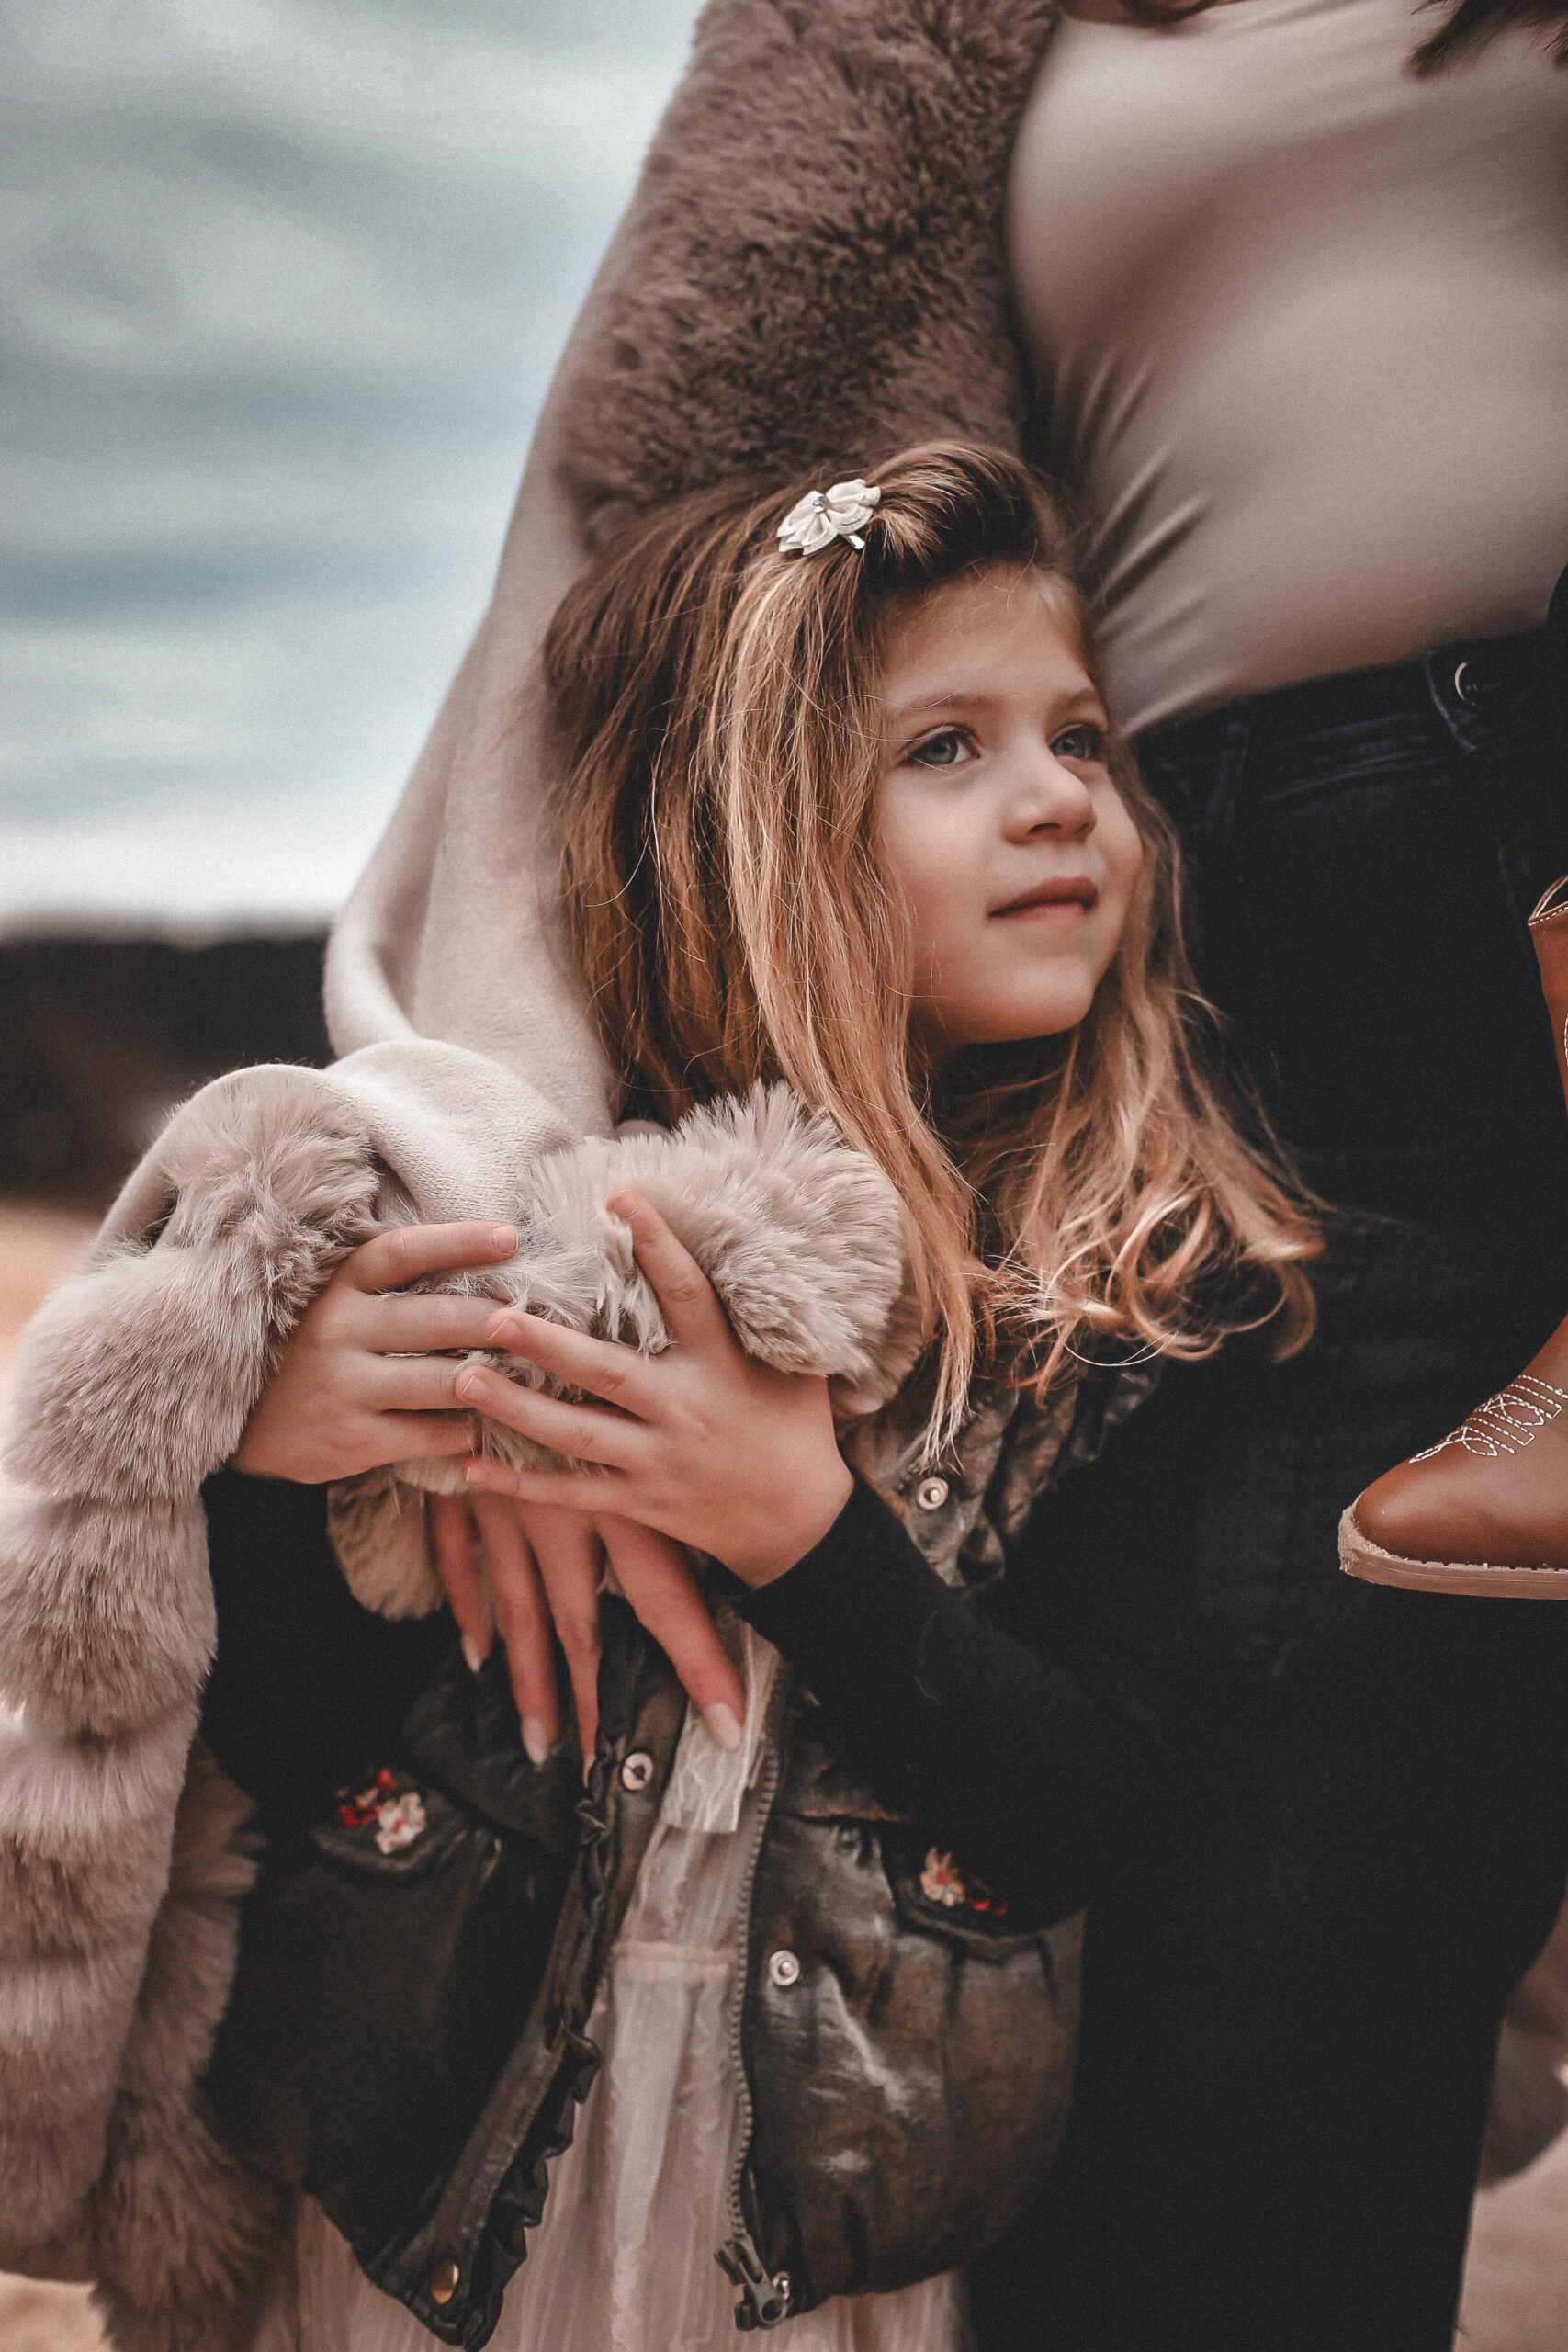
column 809, row 276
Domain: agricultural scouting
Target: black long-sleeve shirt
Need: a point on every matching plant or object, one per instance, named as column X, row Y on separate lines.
column 1024, row 1739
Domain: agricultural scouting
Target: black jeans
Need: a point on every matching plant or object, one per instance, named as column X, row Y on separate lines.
column 1361, row 1838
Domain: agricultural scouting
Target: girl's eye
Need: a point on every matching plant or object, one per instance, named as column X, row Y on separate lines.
column 1084, row 741
column 949, row 749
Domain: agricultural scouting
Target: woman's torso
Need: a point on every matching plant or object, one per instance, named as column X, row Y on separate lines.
column 1298, row 321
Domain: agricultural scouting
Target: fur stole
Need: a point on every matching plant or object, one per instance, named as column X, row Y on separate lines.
column 122, row 1856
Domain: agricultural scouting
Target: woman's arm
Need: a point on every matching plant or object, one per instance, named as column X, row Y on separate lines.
column 730, row 330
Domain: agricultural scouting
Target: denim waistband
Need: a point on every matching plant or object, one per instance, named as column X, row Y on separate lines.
column 1362, row 853
column 1469, row 684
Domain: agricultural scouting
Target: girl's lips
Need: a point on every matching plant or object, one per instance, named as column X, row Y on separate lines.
column 1074, row 895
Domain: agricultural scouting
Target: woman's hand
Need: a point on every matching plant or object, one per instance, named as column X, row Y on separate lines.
column 544, row 1568
column 358, row 1383
column 702, row 1444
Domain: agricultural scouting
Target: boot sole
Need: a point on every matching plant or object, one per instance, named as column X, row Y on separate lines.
column 1359, row 1556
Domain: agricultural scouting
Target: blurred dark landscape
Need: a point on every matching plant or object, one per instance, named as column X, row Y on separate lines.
column 99, row 1038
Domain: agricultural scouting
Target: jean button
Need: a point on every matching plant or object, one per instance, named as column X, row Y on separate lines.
column 1479, row 685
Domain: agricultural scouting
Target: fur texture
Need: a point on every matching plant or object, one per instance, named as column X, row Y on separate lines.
column 379, row 1528
column 801, row 1237
column 186, row 2237
column 812, row 272
column 135, row 1380
column 134, row 1384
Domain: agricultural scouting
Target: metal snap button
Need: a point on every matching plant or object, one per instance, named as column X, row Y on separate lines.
column 636, row 1772
column 932, row 1493
column 443, row 2281
column 783, row 1969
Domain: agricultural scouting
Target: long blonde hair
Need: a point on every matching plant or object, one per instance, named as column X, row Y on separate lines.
column 716, row 705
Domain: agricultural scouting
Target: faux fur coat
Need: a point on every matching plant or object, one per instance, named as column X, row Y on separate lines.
column 811, row 275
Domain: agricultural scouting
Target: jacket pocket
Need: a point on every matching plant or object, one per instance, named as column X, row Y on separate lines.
column 389, row 1954
column 910, row 2057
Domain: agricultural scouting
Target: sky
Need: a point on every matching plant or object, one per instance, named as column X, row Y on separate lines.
column 281, row 285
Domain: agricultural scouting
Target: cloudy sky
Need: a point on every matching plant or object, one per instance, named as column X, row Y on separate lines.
column 281, row 285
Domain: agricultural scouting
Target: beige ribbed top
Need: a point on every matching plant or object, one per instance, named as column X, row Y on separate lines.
column 1299, row 322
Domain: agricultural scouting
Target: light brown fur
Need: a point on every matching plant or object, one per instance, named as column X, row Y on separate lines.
column 122, row 1851
column 800, row 1236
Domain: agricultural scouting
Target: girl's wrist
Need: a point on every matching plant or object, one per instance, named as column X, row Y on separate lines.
column 788, row 1539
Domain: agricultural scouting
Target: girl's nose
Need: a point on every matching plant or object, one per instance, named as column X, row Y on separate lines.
column 1050, row 798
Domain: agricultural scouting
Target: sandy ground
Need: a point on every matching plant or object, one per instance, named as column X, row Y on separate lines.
column 1517, row 2284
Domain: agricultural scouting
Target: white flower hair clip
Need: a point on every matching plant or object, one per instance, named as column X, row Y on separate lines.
column 824, row 515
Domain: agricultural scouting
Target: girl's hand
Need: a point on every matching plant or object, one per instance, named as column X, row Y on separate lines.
column 357, row 1384
column 356, row 1387
column 702, row 1444
column 544, row 1567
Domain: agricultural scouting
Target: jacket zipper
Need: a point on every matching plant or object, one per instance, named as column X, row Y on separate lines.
column 764, row 2300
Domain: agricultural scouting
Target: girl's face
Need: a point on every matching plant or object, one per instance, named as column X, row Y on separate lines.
column 996, row 816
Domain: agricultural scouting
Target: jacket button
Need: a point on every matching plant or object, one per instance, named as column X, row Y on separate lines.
column 932, row 1493
column 443, row 2281
column 636, row 1772
column 783, row 1969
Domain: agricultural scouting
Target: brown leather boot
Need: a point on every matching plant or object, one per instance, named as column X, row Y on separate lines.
column 1486, row 1509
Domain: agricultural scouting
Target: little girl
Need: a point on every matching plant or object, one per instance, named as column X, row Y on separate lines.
column 841, row 807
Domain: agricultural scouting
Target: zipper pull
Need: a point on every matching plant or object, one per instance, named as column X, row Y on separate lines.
column 765, row 2302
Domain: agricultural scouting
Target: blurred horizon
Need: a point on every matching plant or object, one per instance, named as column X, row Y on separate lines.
column 283, row 284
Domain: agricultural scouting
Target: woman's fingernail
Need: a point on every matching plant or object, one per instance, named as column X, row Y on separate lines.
column 724, row 1726
column 504, row 1240
column 504, row 1331
column 473, row 1657
column 536, row 1741
column 473, row 1386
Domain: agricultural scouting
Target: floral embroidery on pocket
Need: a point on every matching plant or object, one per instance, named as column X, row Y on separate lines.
column 948, row 1882
column 396, row 1813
